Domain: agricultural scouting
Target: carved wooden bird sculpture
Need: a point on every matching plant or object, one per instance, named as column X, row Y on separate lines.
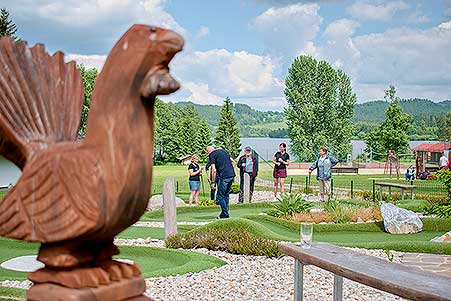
column 74, row 197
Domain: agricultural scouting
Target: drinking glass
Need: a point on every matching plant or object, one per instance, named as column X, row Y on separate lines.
column 306, row 234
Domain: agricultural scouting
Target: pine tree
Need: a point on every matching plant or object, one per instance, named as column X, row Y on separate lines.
column 7, row 27
column 228, row 134
column 320, row 107
column 203, row 139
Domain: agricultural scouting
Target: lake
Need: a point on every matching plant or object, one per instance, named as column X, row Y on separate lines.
column 266, row 147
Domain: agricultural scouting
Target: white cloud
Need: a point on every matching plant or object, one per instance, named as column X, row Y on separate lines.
column 370, row 11
column 288, row 31
column 201, row 94
column 415, row 57
column 414, row 18
column 89, row 61
column 203, row 32
column 84, row 26
column 228, row 73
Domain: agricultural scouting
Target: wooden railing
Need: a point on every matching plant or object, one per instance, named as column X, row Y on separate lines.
column 407, row 282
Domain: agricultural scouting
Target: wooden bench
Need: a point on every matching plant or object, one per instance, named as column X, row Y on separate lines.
column 407, row 282
column 395, row 185
column 345, row 169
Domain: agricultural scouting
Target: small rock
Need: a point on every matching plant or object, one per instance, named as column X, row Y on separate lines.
column 156, row 202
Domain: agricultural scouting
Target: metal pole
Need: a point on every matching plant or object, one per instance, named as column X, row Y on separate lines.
column 306, row 185
column 291, row 184
column 177, row 186
column 338, row 288
column 352, row 189
column 374, row 191
column 331, row 187
column 298, row 280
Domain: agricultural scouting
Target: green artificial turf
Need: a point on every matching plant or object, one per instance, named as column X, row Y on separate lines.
column 154, row 262
column 363, row 235
column 206, row 214
column 150, row 232
column 12, row 294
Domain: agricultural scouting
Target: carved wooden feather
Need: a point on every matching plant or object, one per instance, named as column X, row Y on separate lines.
column 41, row 100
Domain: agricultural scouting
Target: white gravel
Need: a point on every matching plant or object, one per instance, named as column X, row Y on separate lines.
column 258, row 278
column 248, row 278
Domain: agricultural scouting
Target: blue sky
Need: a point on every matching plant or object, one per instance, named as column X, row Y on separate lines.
column 242, row 48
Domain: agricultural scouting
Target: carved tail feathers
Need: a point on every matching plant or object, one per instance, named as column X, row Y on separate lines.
column 41, row 99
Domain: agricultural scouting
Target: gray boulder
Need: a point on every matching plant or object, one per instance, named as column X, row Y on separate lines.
column 156, row 202
column 400, row 221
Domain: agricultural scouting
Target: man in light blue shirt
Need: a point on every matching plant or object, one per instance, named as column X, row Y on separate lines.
column 247, row 163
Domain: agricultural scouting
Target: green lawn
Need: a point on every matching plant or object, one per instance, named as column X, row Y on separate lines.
column 205, row 214
column 11, row 294
column 150, row 232
column 364, row 235
column 154, row 262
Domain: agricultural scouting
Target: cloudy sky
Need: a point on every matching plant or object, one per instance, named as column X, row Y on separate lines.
column 242, row 48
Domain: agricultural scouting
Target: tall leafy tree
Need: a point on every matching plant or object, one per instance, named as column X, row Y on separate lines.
column 89, row 77
column 444, row 127
column 228, row 134
column 7, row 27
column 187, row 127
column 166, row 116
column 203, row 139
column 320, row 107
column 392, row 133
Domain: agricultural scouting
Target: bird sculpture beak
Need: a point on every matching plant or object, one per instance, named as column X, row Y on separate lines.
column 158, row 80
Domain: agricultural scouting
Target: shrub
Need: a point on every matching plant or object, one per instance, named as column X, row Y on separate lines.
column 206, row 202
column 365, row 195
column 340, row 213
column 235, row 188
column 441, row 210
column 444, row 176
column 235, row 240
column 289, row 204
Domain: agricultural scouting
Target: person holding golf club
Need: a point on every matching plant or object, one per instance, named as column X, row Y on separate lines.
column 195, row 171
column 323, row 166
column 281, row 161
column 247, row 164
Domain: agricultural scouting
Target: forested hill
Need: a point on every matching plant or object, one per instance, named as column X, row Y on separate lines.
column 374, row 111
column 252, row 123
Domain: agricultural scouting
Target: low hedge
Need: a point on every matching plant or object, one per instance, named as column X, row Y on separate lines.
column 236, row 236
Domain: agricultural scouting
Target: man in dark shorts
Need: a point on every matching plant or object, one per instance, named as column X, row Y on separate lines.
column 281, row 161
column 223, row 175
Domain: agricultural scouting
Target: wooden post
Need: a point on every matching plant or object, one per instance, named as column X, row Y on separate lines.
column 338, row 288
column 170, row 211
column 247, row 188
column 298, row 280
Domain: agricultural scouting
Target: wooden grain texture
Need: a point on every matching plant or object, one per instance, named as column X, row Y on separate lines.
column 397, row 185
column 74, row 197
column 169, row 208
column 407, row 282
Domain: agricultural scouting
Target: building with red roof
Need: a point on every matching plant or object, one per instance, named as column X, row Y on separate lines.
column 433, row 151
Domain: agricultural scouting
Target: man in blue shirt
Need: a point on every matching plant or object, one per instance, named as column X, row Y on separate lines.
column 223, row 174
